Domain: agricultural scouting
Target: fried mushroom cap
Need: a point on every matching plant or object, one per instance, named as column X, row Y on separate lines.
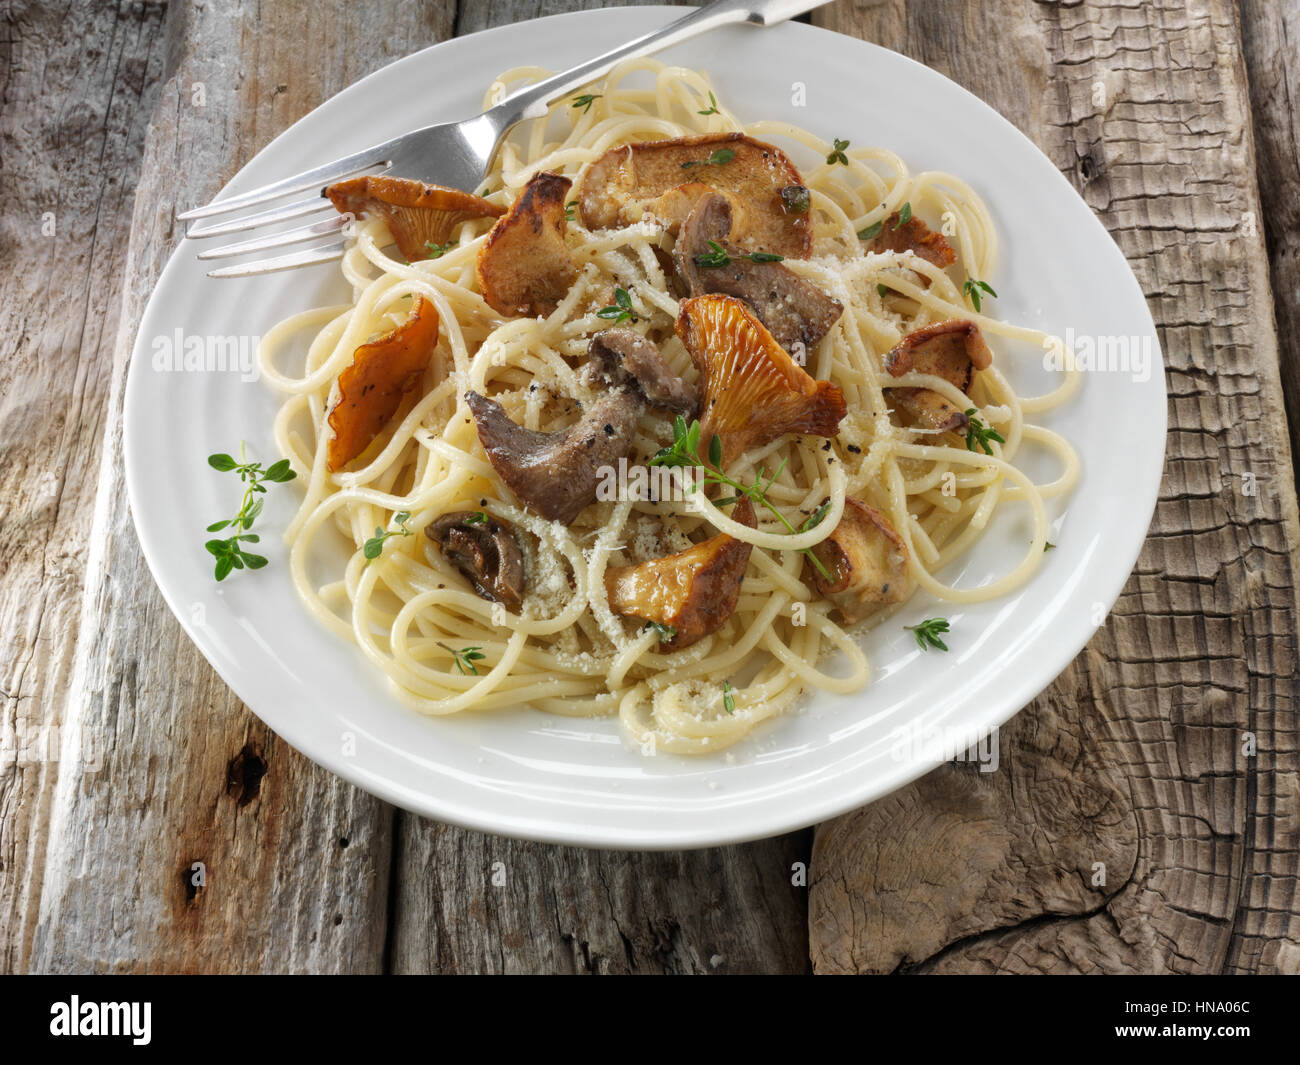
column 954, row 350
column 914, row 236
column 524, row 267
column 867, row 560
column 794, row 311
column 557, row 474
column 416, row 214
column 380, row 375
column 753, row 392
column 627, row 181
column 485, row 551
column 693, row 592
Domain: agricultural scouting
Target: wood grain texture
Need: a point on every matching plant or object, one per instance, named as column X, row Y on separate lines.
column 1134, row 758
column 1270, row 33
column 100, row 852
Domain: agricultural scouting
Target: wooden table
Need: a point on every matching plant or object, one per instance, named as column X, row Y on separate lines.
column 1169, row 752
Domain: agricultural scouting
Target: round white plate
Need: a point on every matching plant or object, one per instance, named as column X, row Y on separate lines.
column 528, row 774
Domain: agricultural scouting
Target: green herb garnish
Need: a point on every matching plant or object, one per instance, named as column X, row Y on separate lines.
column 904, row 215
column 465, row 657
column 571, row 211
column 719, row 157
column 837, row 153
column 972, row 288
column 728, row 703
column 882, row 290
column 796, row 199
column 685, row 452
column 586, row 100
column 436, row 251
column 622, row 310
column 477, row 519
column 713, row 107
column 872, row 231
column 228, row 553
column 666, row 632
column 927, row 633
column 979, row 433
column 717, row 256
column 374, row 547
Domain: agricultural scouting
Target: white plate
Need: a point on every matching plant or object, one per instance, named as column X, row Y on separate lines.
column 532, row 775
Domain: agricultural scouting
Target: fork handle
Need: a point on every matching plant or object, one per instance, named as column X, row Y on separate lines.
column 534, row 100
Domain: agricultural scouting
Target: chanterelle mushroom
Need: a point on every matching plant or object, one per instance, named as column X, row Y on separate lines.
column 525, row 267
column 693, row 592
column 953, row 350
column 914, row 236
column 556, row 474
column 867, row 561
column 753, row 391
column 485, row 550
column 795, row 311
column 382, row 372
column 625, row 182
column 417, row 214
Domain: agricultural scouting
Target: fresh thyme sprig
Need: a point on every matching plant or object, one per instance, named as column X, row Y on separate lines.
column 970, row 287
column 872, row 231
column 717, row 256
column 718, row 157
column 586, row 100
column 927, row 633
column 666, row 632
column 436, row 250
column 977, row 433
column 904, row 215
column 228, row 553
column 571, row 211
column 622, row 310
column 837, row 153
column 728, row 702
column 465, row 657
column 374, row 547
column 685, row 452
column 713, row 107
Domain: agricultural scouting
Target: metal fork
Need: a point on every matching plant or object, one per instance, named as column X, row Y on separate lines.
column 454, row 154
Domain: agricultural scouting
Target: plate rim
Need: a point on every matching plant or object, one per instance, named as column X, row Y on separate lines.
column 833, row 802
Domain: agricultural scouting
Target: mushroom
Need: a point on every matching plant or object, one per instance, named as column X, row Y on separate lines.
column 485, row 550
column 380, row 375
column 626, row 182
column 753, row 391
column 867, row 561
column 794, row 311
column 623, row 358
column 914, row 236
column 524, row 267
column 954, row 350
column 556, row 474
column 692, row 592
column 417, row 214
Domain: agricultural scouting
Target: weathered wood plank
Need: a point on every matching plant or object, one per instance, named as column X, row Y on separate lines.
column 730, row 909
column 1134, row 758
column 101, row 877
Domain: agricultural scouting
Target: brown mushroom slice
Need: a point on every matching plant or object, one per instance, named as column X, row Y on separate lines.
column 485, row 551
column 794, row 311
column 753, row 391
column 619, row 187
column 693, row 592
column 914, row 236
column 417, row 214
column 867, row 561
column 525, row 268
column 952, row 349
column 372, row 388
column 623, row 358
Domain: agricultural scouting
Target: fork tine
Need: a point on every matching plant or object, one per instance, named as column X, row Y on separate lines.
column 326, row 253
column 278, row 240
column 308, row 179
column 262, row 218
